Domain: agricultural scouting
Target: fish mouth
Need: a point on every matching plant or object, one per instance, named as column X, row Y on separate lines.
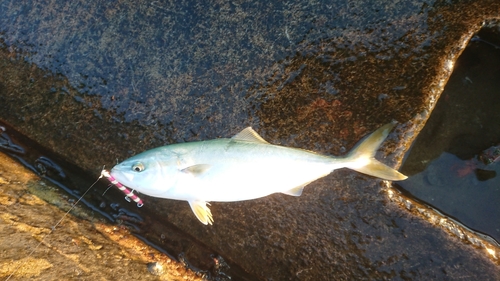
column 122, row 177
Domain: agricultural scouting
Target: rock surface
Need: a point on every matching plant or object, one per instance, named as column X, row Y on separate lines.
column 98, row 81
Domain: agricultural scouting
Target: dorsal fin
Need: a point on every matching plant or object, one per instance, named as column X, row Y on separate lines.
column 248, row 134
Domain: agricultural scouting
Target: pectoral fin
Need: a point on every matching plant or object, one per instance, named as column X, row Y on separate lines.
column 196, row 170
column 201, row 211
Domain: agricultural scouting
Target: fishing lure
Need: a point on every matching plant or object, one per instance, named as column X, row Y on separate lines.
column 129, row 193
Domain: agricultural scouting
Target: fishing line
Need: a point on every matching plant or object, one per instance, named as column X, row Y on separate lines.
column 53, row 228
column 109, row 186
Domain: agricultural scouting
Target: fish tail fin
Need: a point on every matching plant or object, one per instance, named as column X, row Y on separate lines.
column 362, row 157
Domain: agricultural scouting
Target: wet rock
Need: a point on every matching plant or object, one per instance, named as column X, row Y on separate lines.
column 115, row 79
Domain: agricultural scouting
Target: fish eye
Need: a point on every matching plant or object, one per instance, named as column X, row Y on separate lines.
column 138, row 167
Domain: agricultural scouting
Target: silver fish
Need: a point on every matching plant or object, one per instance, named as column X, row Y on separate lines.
column 243, row 167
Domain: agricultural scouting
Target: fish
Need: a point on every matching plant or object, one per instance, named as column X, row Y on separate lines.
column 243, row 167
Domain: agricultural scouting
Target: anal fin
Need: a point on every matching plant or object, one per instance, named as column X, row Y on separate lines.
column 296, row 191
column 201, row 211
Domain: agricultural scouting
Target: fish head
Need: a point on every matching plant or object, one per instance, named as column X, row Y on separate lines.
column 150, row 172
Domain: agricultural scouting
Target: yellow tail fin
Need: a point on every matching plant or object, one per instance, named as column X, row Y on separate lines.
column 363, row 161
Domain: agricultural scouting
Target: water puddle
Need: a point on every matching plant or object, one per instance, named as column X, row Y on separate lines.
column 454, row 165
